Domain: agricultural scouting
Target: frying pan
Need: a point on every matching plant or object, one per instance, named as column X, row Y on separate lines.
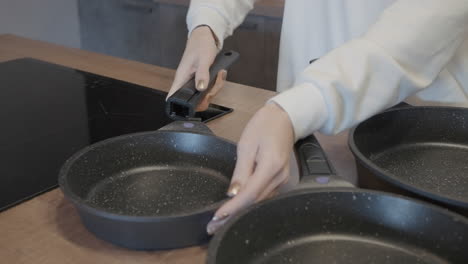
column 158, row 189
column 416, row 151
column 324, row 223
column 151, row 190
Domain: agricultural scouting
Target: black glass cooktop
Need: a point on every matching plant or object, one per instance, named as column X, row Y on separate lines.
column 48, row 112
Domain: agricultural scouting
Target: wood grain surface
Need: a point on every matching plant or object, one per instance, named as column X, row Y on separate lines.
column 271, row 8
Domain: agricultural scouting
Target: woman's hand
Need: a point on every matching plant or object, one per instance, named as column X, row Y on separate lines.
column 199, row 54
column 263, row 156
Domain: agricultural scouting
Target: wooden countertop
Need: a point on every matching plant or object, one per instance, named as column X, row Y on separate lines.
column 47, row 228
column 270, row 8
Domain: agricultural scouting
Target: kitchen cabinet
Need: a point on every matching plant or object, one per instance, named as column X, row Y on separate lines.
column 272, row 38
column 122, row 28
column 257, row 40
column 173, row 34
column 155, row 32
column 249, row 40
column 39, row 20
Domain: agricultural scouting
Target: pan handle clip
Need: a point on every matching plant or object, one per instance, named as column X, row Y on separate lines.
column 315, row 169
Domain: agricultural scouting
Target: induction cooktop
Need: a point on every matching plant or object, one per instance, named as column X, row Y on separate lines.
column 48, row 112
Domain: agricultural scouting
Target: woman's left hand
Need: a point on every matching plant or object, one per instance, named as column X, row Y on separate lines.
column 263, row 156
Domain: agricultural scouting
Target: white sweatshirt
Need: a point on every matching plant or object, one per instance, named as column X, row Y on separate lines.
column 373, row 55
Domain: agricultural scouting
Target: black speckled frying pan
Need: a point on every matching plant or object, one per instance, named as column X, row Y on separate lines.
column 155, row 190
column 416, row 151
column 151, row 190
column 321, row 224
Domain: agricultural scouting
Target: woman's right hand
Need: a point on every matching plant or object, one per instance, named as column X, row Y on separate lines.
column 199, row 54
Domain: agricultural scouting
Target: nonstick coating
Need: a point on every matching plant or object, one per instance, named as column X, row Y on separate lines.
column 159, row 190
column 152, row 190
column 152, row 174
column 423, row 150
column 341, row 226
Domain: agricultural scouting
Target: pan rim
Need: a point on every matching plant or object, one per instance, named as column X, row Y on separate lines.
column 392, row 178
column 216, row 240
column 83, row 205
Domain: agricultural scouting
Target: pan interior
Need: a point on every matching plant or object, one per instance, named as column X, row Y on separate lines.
column 152, row 174
column 326, row 248
column 422, row 148
column 159, row 191
column 341, row 226
column 436, row 167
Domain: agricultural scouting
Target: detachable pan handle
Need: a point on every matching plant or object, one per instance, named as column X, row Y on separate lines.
column 312, row 60
column 182, row 104
column 314, row 168
column 195, row 127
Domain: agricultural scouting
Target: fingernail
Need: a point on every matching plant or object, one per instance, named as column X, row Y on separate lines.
column 224, row 75
column 219, row 218
column 210, row 230
column 169, row 95
column 233, row 189
column 201, row 85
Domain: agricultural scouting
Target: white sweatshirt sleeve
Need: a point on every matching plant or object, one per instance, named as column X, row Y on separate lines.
column 401, row 54
column 222, row 16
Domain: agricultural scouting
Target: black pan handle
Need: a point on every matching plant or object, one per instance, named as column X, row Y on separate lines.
column 182, row 104
column 314, row 167
column 313, row 60
column 195, row 127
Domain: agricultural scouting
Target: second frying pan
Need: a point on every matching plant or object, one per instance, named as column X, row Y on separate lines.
column 417, row 151
column 320, row 224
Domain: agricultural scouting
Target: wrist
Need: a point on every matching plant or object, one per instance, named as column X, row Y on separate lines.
column 208, row 28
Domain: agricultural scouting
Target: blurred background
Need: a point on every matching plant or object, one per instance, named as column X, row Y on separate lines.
column 149, row 31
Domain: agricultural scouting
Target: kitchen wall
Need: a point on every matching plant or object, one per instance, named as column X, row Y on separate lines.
column 54, row 21
column 155, row 32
